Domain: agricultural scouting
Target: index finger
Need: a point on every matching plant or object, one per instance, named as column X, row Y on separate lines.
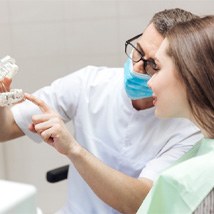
column 41, row 104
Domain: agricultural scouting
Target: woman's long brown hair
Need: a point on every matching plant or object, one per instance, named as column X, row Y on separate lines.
column 191, row 46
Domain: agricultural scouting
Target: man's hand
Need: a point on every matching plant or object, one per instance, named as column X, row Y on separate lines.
column 8, row 69
column 5, row 84
column 8, row 96
column 50, row 126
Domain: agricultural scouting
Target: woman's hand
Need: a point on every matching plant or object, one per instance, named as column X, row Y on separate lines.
column 50, row 126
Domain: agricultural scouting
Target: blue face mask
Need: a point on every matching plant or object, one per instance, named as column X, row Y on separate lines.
column 136, row 83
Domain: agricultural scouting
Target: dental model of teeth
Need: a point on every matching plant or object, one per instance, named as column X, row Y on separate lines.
column 8, row 69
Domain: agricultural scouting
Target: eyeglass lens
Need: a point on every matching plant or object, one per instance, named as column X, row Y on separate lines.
column 148, row 66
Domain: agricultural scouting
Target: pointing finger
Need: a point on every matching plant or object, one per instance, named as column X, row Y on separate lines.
column 41, row 104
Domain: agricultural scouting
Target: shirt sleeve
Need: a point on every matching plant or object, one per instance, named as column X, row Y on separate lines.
column 178, row 144
column 62, row 95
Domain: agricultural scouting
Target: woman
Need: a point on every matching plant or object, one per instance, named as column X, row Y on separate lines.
column 184, row 87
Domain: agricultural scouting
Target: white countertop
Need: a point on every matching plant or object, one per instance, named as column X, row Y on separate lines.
column 17, row 198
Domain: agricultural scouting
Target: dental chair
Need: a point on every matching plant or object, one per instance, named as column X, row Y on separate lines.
column 207, row 205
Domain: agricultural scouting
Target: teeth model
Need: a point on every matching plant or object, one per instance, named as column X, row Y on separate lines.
column 11, row 97
column 8, row 69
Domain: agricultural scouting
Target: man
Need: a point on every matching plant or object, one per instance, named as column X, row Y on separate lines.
column 121, row 146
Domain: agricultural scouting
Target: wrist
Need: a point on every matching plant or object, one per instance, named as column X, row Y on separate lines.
column 74, row 151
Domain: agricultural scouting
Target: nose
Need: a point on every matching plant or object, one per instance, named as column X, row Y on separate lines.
column 138, row 67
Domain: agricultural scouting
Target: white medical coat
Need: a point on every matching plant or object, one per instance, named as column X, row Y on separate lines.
column 106, row 124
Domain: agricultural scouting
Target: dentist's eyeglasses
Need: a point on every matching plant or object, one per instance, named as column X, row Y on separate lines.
column 149, row 67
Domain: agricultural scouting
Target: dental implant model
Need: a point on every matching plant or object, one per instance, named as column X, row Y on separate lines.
column 8, row 69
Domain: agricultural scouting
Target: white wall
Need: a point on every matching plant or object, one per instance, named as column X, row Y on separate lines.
column 2, row 164
column 51, row 38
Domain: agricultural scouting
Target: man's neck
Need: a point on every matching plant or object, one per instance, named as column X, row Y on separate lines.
column 143, row 103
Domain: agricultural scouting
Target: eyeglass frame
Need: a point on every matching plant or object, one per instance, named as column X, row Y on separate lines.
column 145, row 61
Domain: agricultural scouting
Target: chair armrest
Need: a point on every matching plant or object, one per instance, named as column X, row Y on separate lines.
column 57, row 174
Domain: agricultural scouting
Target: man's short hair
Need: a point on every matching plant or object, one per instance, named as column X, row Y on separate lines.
column 164, row 20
